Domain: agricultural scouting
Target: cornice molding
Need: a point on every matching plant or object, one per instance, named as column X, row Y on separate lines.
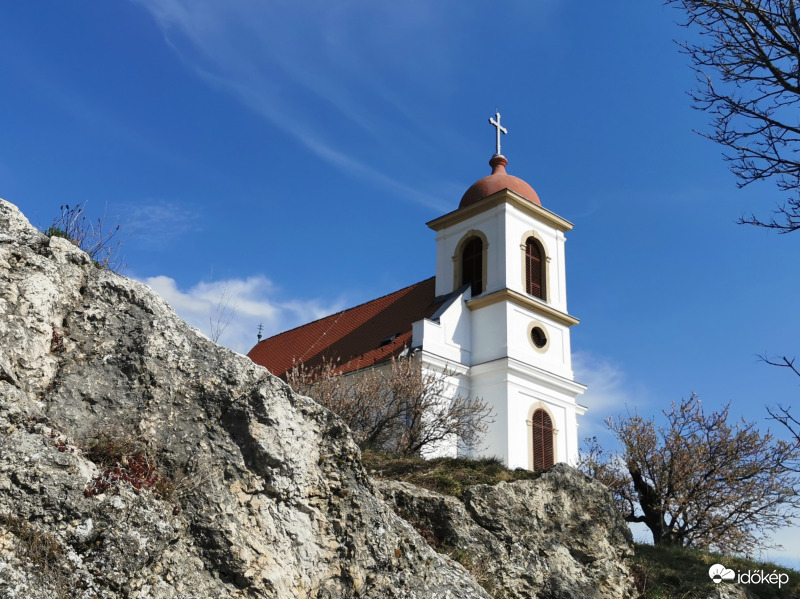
column 504, row 196
column 550, row 380
column 509, row 295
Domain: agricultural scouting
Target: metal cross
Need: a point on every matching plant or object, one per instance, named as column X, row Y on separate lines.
column 500, row 130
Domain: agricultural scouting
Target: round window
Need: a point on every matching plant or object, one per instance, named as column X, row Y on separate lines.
column 538, row 337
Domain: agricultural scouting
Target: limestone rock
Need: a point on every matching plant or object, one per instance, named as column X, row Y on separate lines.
column 731, row 591
column 269, row 497
column 558, row 536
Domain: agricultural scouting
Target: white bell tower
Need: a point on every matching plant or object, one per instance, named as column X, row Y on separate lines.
column 509, row 251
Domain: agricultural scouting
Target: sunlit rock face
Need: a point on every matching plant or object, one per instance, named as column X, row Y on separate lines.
column 263, row 494
column 556, row 536
column 140, row 460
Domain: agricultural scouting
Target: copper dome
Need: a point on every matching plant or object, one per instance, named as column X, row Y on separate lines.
column 498, row 181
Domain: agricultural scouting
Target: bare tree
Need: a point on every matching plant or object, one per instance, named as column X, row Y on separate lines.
column 398, row 407
column 699, row 481
column 93, row 237
column 748, row 70
column 781, row 413
column 221, row 313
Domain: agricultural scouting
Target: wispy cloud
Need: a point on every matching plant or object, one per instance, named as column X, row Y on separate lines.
column 322, row 74
column 156, row 224
column 235, row 307
column 610, row 392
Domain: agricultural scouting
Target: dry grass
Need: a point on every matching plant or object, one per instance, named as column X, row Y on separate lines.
column 449, row 476
column 674, row 572
column 125, row 458
column 42, row 550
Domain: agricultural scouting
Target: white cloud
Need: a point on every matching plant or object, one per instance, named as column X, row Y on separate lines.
column 241, row 303
column 609, row 392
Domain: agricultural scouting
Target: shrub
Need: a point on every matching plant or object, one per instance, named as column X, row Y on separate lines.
column 397, row 406
column 93, row 237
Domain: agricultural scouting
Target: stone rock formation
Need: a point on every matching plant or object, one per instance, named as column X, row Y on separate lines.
column 139, row 459
column 556, row 536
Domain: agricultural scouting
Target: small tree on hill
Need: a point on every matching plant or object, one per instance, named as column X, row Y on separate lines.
column 397, row 407
column 698, row 481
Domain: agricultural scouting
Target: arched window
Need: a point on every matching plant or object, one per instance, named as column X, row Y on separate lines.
column 543, row 455
column 472, row 265
column 534, row 269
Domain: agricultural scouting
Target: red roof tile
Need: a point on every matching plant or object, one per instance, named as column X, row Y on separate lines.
column 358, row 337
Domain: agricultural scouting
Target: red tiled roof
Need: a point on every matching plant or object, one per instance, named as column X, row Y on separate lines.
column 368, row 334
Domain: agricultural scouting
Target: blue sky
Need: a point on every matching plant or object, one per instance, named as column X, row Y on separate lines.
column 288, row 154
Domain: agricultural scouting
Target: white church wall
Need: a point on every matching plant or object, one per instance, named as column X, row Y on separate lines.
column 490, row 385
column 522, row 404
column 447, row 242
column 514, row 390
column 455, row 383
column 450, row 335
column 489, row 333
column 531, row 386
column 518, row 226
column 555, row 356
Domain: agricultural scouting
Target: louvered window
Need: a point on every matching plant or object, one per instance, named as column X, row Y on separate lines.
column 534, row 268
column 472, row 265
column 543, row 455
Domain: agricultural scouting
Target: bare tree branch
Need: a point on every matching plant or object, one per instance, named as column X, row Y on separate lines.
column 398, row 407
column 221, row 313
column 748, row 78
column 699, row 481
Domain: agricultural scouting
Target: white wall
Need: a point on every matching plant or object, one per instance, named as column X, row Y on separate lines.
column 492, row 342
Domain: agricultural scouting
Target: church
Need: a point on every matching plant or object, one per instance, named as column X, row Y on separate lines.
column 494, row 317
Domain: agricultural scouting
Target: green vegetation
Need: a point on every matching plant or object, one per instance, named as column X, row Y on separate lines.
column 672, row 573
column 448, row 476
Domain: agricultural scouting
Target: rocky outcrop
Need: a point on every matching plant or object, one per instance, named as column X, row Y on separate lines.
column 138, row 459
column 556, row 536
column 267, row 496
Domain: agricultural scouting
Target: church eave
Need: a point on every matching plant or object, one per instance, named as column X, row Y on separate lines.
column 501, row 197
column 548, row 379
column 524, row 301
column 443, row 364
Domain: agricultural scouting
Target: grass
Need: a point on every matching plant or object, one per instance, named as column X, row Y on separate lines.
column 673, row 573
column 448, row 476
column 42, row 550
column 124, row 458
